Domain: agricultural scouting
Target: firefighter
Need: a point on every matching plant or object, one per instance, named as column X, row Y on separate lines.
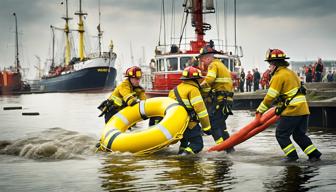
column 218, row 87
column 128, row 93
column 188, row 94
column 289, row 92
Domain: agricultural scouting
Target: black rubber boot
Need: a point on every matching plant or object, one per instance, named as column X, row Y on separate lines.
column 289, row 159
column 315, row 156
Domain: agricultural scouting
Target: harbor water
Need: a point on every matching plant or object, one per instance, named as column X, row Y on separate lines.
column 55, row 151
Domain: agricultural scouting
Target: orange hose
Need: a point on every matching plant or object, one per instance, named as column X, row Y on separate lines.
column 260, row 128
column 239, row 136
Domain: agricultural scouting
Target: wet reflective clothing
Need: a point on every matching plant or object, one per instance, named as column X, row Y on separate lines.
column 294, row 119
column 297, row 127
column 218, row 78
column 285, row 83
column 192, row 99
column 219, row 86
column 125, row 94
column 190, row 95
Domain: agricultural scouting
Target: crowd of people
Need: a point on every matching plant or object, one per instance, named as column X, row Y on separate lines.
column 316, row 73
column 253, row 80
column 312, row 73
column 208, row 101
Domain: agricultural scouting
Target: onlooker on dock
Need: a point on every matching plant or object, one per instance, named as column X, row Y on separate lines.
column 288, row 90
column 309, row 74
column 242, row 80
column 249, row 79
column 266, row 77
column 330, row 77
column 318, row 70
column 256, row 79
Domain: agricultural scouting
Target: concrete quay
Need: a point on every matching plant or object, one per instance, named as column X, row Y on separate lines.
column 321, row 99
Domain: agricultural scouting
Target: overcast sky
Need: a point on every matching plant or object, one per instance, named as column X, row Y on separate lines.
column 304, row 29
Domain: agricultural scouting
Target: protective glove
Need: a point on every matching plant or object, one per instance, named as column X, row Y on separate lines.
column 105, row 106
column 102, row 105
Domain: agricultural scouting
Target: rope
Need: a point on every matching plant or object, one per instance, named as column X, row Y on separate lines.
column 185, row 21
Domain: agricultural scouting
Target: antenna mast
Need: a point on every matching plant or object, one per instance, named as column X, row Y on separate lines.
column 17, row 62
column 196, row 8
column 100, row 33
column 53, row 46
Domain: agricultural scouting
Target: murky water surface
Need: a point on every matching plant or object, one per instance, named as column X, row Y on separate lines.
column 55, row 151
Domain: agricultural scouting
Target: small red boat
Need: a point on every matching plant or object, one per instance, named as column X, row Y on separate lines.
column 10, row 82
column 11, row 78
column 168, row 65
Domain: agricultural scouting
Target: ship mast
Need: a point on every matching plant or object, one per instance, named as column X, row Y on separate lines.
column 53, row 47
column 100, row 33
column 198, row 20
column 81, row 31
column 196, row 9
column 67, row 31
column 17, row 62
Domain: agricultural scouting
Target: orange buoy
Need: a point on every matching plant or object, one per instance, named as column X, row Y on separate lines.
column 260, row 123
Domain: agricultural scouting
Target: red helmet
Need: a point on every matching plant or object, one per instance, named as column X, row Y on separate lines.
column 275, row 54
column 191, row 73
column 134, row 72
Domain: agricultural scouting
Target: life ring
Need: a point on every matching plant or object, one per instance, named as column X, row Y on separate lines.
column 259, row 124
column 146, row 141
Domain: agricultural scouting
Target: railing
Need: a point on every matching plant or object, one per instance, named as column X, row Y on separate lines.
column 185, row 45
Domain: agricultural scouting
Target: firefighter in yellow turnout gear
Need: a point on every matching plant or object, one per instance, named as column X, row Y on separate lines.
column 188, row 94
column 288, row 91
column 218, row 90
column 128, row 93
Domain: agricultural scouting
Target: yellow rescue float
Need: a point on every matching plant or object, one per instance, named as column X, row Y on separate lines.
column 146, row 141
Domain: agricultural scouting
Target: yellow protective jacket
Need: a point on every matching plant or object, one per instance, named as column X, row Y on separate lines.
column 285, row 82
column 125, row 94
column 218, row 78
column 191, row 97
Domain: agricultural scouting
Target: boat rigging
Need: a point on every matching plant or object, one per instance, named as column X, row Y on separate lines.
column 169, row 64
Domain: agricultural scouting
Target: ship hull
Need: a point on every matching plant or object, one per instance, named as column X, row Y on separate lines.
column 88, row 79
column 10, row 82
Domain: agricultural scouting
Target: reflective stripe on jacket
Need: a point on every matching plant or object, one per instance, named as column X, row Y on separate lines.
column 285, row 82
column 218, row 78
column 191, row 97
column 125, row 93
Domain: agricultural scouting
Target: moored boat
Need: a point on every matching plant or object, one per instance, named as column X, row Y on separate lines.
column 90, row 72
column 169, row 65
column 11, row 79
